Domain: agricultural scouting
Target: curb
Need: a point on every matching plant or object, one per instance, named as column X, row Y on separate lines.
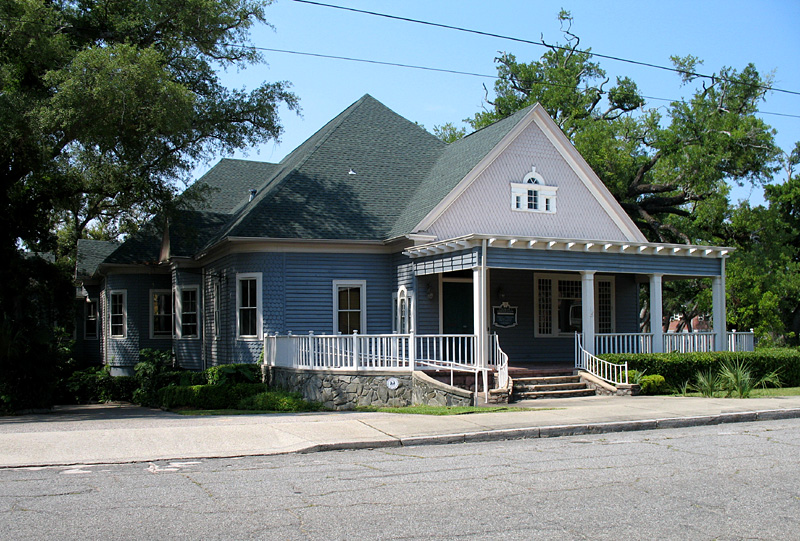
column 553, row 431
column 556, row 431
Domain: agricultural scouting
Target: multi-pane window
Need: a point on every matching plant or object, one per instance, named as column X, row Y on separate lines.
column 349, row 309
column 117, row 314
column 161, row 313
column 533, row 194
column 559, row 305
column 533, row 200
column 90, row 320
column 189, row 313
column 248, row 305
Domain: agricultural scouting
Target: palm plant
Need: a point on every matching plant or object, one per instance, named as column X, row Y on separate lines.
column 737, row 379
column 707, row 383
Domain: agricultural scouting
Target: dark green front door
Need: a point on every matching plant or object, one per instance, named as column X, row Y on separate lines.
column 457, row 308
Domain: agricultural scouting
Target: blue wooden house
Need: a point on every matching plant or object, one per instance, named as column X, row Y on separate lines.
column 376, row 246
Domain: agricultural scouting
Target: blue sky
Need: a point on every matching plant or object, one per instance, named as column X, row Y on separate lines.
column 722, row 33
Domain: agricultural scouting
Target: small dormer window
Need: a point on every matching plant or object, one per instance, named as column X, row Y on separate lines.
column 533, row 194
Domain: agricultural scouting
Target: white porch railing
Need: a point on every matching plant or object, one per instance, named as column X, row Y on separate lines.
column 499, row 359
column 340, row 352
column 446, row 349
column 623, row 343
column 678, row 342
column 610, row 372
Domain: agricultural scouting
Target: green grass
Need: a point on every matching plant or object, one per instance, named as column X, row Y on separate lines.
column 758, row 393
column 781, row 391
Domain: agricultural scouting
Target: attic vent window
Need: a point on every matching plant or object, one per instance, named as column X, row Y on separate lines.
column 533, row 194
column 253, row 193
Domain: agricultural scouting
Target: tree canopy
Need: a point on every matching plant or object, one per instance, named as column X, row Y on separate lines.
column 669, row 166
column 105, row 104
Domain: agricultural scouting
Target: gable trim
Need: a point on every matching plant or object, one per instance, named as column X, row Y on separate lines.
column 537, row 115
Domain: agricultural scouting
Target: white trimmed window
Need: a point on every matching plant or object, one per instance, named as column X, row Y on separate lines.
column 350, row 306
column 533, row 194
column 188, row 313
column 248, row 306
column 557, row 299
column 90, row 319
column 402, row 316
column 160, row 313
column 118, row 313
column 215, row 301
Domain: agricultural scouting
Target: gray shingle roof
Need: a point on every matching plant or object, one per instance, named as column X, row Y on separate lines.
column 91, row 253
column 400, row 172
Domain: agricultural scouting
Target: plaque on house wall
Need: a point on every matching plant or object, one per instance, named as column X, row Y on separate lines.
column 504, row 316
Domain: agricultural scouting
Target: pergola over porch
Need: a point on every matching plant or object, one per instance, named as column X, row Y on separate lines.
column 589, row 261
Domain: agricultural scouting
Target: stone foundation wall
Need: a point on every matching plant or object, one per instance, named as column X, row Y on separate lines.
column 346, row 390
column 430, row 392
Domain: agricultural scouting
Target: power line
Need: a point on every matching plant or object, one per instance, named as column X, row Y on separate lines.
column 412, row 66
column 450, row 71
column 540, row 44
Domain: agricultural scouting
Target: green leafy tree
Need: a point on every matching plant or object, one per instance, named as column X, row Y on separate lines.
column 104, row 107
column 669, row 167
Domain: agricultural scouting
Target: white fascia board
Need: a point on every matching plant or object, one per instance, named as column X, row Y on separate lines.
column 476, row 171
column 586, row 174
column 580, row 245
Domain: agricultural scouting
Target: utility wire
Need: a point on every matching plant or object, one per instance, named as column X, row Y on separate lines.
column 454, row 72
column 424, row 68
column 539, row 43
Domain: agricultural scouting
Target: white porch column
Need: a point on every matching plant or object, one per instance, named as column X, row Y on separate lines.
column 718, row 310
column 479, row 314
column 587, row 310
column 656, row 313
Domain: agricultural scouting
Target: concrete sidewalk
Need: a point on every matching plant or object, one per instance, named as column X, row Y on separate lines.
column 124, row 433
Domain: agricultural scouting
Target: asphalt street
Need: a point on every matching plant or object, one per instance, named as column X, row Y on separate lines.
column 727, row 481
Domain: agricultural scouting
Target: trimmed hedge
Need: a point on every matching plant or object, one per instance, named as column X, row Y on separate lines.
column 95, row 384
column 233, row 373
column 278, row 400
column 653, row 384
column 209, row 397
column 678, row 368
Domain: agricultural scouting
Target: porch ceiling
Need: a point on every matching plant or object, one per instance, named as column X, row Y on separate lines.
column 568, row 245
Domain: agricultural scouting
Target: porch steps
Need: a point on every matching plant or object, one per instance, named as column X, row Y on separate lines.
column 560, row 386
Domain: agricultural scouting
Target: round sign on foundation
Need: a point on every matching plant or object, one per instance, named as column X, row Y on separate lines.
column 392, row 383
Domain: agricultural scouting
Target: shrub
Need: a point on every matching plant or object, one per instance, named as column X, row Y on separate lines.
column 278, row 400
column 207, row 396
column 96, row 384
column 234, row 373
column 677, row 368
column 653, row 384
column 152, row 364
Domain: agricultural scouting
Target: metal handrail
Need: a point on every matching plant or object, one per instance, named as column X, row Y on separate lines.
column 609, row 372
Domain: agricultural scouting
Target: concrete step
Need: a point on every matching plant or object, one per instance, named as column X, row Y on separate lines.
column 536, row 388
column 573, row 393
column 549, row 380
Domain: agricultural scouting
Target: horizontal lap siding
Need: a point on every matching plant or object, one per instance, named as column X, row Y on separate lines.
column 626, row 303
column 309, row 289
column 602, row 262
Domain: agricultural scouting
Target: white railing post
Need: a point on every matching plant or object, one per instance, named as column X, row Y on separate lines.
column 412, row 350
column 356, row 363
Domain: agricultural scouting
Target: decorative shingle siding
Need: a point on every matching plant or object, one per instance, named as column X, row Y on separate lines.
column 124, row 352
column 189, row 351
column 602, row 262
column 485, row 207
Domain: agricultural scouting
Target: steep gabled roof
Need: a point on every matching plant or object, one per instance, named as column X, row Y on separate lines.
column 90, row 254
column 454, row 163
column 350, row 180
